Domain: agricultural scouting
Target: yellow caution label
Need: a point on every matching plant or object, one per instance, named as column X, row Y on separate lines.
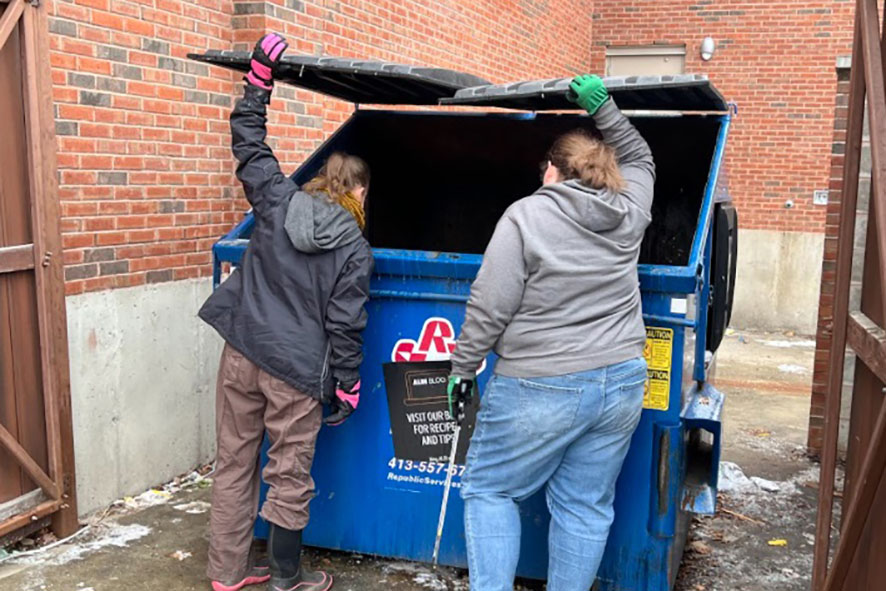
column 659, row 346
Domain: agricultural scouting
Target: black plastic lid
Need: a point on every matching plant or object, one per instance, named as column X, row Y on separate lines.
column 684, row 92
column 357, row 81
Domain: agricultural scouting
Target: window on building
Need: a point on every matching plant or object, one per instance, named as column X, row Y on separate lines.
column 656, row 60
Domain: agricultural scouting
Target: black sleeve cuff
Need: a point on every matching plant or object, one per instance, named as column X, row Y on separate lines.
column 256, row 93
column 346, row 377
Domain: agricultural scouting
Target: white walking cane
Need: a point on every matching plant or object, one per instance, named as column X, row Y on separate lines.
column 449, row 472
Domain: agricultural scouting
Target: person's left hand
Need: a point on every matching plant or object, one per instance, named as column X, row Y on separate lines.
column 588, row 92
column 344, row 404
column 265, row 58
column 459, row 392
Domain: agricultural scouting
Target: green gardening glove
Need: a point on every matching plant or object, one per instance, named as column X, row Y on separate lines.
column 459, row 392
column 588, row 92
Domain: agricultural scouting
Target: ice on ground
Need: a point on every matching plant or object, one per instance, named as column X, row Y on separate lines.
column 148, row 498
column 791, row 368
column 422, row 575
column 193, row 508
column 789, row 344
column 106, row 535
column 733, row 481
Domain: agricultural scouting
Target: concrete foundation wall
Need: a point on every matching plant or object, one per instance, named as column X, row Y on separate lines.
column 778, row 280
column 142, row 387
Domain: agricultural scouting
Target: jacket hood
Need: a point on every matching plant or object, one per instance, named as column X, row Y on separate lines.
column 595, row 209
column 316, row 224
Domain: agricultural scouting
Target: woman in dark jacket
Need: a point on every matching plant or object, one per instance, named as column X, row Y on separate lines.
column 291, row 317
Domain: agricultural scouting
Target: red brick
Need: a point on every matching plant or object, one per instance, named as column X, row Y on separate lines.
column 70, row 241
column 171, row 149
column 76, row 112
column 96, row 66
column 105, row 19
column 72, row 46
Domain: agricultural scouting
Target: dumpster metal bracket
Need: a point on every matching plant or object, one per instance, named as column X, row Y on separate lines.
column 702, row 422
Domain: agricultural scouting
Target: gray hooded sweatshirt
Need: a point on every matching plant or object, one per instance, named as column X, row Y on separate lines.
column 558, row 290
column 315, row 224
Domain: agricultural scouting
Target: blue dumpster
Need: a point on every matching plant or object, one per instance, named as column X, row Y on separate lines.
column 440, row 180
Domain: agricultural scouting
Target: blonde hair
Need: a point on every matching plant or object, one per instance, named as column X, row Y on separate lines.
column 340, row 175
column 579, row 155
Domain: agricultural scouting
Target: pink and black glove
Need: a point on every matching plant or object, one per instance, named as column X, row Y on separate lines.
column 265, row 58
column 345, row 402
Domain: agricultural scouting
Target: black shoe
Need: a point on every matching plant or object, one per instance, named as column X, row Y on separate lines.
column 287, row 573
column 305, row 580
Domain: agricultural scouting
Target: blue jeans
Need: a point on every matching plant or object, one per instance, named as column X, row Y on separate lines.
column 568, row 432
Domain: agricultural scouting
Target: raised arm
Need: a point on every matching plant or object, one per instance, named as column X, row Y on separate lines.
column 631, row 150
column 257, row 167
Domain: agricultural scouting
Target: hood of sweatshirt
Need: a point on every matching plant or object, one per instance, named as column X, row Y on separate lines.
column 316, row 224
column 595, row 209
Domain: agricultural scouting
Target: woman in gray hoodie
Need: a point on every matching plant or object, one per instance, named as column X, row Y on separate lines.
column 558, row 299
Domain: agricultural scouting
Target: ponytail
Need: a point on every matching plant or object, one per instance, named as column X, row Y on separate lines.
column 341, row 174
column 579, row 155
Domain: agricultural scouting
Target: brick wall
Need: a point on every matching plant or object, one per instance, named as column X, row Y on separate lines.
column 146, row 181
column 776, row 60
column 145, row 171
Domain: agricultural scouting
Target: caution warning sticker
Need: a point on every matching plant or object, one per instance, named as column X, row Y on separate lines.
column 659, row 345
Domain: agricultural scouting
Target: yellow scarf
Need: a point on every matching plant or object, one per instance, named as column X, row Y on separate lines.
column 351, row 204
column 355, row 208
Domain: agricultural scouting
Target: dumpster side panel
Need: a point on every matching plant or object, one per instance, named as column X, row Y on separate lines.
column 646, row 530
column 367, row 500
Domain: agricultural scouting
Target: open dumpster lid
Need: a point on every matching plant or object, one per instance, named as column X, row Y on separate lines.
column 684, row 92
column 355, row 80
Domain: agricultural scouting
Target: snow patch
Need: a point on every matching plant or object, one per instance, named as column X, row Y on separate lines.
column 790, row 344
column 733, row 481
column 792, row 368
column 111, row 534
column 193, row 508
column 426, row 578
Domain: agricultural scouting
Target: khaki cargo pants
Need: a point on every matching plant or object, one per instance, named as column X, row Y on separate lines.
column 248, row 402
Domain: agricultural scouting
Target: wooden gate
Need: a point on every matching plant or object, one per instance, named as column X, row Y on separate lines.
column 858, row 560
column 36, row 444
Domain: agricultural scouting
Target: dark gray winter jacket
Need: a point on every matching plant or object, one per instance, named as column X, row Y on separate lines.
column 295, row 307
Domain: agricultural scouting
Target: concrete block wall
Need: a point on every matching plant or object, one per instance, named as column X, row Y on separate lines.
column 142, row 375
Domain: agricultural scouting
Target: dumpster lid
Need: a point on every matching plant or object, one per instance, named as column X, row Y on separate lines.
column 357, row 80
column 683, row 92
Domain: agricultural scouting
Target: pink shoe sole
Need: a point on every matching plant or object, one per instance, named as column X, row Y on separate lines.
column 216, row 586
